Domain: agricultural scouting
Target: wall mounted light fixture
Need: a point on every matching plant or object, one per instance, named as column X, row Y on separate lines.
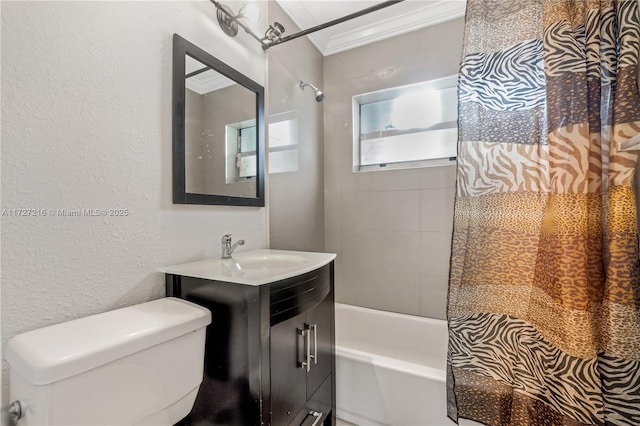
column 227, row 20
column 230, row 22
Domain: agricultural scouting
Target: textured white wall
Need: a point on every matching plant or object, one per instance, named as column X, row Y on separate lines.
column 86, row 123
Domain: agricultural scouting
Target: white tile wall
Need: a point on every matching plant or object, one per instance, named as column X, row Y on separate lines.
column 433, row 295
column 435, row 248
column 390, row 180
column 388, row 210
column 384, row 288
column 296, row 198
column 436, row 209
column 391, row 228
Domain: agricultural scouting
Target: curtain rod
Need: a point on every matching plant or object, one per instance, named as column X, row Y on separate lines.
column 294, row 36
column 331, row 23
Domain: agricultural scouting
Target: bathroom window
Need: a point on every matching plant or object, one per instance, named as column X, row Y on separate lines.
column 283, row 143
column 241, row 151
column 408, row 126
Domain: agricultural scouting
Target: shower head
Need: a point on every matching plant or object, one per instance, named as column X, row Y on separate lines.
column 319, row 93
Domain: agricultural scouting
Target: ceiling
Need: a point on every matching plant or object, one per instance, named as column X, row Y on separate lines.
column 397, row 19
column 206, row 81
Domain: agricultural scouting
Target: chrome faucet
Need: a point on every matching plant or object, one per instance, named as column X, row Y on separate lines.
column 227, row 248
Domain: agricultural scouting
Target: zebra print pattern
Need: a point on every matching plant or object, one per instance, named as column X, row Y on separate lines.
column 514, row 353
column 601, row 45
column 508, row 80
column 563, row 49
column 550, row 211
column 621, row 381
column 499, row 167
column 569, row 160
column 628, row 16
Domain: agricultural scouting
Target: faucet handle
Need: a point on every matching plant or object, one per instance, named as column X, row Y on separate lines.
column 226, row 238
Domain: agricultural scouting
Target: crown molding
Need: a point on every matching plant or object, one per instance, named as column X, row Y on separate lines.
column 208, row 82
column 426, row 16
column 304, row 19
column 329, row 43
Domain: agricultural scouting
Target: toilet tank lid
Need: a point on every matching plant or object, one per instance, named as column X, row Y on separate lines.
column 53, row 353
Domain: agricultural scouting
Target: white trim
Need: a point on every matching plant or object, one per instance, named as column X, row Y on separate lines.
column 207, row 82
column 429, row 15
column 301, row 16
column 432, row 13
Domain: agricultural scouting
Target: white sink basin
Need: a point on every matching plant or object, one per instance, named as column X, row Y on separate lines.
column 254, row 267
column 252, row 260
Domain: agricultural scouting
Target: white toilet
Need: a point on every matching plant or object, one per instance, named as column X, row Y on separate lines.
column 140, row 365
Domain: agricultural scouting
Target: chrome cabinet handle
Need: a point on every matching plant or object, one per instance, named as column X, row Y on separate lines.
column 306, row 333
column 314, row 327
column 317, row 415
column 308, row 347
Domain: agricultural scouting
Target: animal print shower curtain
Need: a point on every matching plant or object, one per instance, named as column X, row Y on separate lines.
column 544, row 292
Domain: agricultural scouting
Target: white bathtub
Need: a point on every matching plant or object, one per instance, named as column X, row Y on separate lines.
column 390, row 368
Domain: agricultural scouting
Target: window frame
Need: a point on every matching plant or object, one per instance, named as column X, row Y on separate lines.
column 389, row 94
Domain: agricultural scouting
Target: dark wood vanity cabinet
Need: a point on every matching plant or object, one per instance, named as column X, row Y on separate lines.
column 269, row 353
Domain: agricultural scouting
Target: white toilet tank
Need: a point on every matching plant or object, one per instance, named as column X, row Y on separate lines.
column 140, row 365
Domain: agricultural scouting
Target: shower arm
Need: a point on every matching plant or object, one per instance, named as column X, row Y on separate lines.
column 294, row 36
column 303, row 85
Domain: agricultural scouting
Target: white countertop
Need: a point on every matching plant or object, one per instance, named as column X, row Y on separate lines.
column 255, row 267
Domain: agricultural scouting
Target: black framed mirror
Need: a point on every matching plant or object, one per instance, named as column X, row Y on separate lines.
column 218, row 131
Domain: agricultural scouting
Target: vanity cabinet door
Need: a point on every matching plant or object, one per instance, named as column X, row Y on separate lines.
column 319, row 321
column 294, row 342
column 288, row 376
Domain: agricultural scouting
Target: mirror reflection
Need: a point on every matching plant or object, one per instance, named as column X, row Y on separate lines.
column 220, row 133
column 283, row 143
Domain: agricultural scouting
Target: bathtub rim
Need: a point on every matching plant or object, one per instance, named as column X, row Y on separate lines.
column 405, row 367
column 412, row 317
column 377, row 360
